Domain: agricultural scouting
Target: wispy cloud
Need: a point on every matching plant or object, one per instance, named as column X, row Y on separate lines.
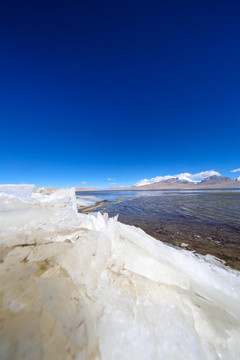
column 236, row 170
column 83, row 182
column 183, row 176
column 109, row 179
column 113, row 183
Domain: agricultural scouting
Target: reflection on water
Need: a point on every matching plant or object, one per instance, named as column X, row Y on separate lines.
column 207, row 221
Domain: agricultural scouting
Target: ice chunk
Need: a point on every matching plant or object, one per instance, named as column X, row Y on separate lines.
column 86, row 286
column 22, row 191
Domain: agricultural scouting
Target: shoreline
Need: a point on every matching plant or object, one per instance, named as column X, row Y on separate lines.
column 218, row 240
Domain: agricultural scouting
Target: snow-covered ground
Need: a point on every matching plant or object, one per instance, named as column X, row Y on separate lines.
column 88, row 287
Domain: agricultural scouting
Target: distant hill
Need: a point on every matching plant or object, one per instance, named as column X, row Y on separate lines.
column 211, row 181
column 85, row 188
column 174, row 181
column 216, row 179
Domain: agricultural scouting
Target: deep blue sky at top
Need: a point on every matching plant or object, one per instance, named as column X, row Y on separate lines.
column 92, row 90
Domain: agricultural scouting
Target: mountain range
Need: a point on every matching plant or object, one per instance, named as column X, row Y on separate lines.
column 175, row 182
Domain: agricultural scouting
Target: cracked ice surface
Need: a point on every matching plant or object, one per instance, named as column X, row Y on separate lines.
column 88, row 287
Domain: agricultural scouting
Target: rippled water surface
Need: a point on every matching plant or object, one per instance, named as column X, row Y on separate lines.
column 206, row 221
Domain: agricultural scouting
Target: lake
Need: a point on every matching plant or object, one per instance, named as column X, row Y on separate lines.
column 206, row 221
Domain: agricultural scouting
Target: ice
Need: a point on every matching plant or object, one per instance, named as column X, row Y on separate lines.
column 22, row 191
column 89, row 287
column 87, row 200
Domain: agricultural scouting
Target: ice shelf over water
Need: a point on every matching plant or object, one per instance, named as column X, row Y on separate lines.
column 76, row 286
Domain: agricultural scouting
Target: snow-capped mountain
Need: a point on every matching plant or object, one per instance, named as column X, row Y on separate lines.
column 215, row 180
column 183, row 178
column 209, row 179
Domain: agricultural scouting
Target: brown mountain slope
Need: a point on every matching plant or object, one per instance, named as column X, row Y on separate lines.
column 214, row 181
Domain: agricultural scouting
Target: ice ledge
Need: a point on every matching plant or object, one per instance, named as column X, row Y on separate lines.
column 87, row 286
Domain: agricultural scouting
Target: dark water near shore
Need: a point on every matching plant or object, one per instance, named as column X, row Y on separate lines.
column 205, row 221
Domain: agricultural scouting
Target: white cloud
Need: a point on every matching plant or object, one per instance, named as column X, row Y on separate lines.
column 145, row 182
column 84, row 182
column 204, row 174
column 194, row 178
column 109, row 179
column 236, row 170
column 238, row 179
column 113, row 183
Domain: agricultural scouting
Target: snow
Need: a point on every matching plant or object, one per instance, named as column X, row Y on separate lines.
column 88, row 286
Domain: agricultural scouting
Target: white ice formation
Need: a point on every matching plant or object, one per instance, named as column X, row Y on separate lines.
column 77, row 286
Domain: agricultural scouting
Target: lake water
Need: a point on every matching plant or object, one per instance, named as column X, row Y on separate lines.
column 205, row 221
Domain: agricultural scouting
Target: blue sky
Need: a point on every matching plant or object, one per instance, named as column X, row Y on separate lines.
column 125, row 90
